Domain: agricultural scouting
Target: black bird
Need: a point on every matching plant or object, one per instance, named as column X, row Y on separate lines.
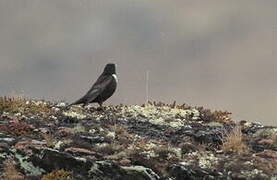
column 102, row 89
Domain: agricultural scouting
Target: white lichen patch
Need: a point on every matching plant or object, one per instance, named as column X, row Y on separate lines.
column 176, row 151
column 140, row 169
column 101, row 145
column 207, row 161
column 151, row 145
column 148, row 149
column 61, row 104
column 55, row 109
column 265, row 132
column 92, row 131
column 53, row 117
column 74, row 114
column 3, row 155
column 149, row 154
column 58, row 145
column 7, row 139
column 111, row 135
column 135, row 168
column 251, row 173
column 79, row 128
column 165, row 115
column 190, row 158
column 27, row 165
column 80, row 159
column 186, row 163
column 215, row 124
column 38, row 103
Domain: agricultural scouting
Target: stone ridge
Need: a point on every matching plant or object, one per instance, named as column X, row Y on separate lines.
column 46, row 140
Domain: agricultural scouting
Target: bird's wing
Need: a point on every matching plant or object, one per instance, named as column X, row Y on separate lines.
column 96, row 89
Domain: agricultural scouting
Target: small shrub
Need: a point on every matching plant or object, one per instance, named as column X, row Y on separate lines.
column 121, row 133
column 10, row 172
column 16, row 128
column 20, row 104
column 11, row 104
column 207, row 115
column 233, row 142
column 50, row 139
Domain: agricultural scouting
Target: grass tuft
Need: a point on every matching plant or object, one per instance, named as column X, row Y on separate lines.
column 233, row 142
column 22, row 105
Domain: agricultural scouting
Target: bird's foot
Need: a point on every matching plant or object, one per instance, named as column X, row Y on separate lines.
column 100, row 108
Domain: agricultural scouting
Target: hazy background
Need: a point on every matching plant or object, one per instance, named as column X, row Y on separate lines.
column 220, row 54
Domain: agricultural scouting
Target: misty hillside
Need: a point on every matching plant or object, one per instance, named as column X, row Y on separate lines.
column 45, row 140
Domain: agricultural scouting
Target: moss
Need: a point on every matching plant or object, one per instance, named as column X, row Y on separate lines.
column 57, row 175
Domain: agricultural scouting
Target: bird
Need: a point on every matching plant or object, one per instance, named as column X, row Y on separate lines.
column 102, row 89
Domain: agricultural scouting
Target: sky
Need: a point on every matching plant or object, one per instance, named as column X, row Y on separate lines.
column 219, row 54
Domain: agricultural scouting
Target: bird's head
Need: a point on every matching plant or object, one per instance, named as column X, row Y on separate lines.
column 109, row 69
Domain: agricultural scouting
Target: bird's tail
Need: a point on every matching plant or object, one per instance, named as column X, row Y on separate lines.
column 80, row 101
column 71, row 104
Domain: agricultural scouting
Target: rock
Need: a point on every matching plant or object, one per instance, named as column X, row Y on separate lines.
column 4, row 138
column 80, row 152
column 188, row 147
column 139, row 173
column 26, row 165
column 181, row 172
column 49, row 160
column 108, row 171
column 94, row 139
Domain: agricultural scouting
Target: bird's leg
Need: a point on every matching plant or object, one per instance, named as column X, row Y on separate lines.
column 100, row 108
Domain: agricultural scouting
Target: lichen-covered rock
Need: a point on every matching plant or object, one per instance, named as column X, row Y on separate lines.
column 173, row 117
column 108, row 171
column 49, row 160
column 182, row 172
column 154, row 141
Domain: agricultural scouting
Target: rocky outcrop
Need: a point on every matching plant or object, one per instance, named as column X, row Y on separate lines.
column 45, row 140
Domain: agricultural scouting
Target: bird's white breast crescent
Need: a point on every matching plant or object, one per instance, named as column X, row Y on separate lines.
column 115, row 77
